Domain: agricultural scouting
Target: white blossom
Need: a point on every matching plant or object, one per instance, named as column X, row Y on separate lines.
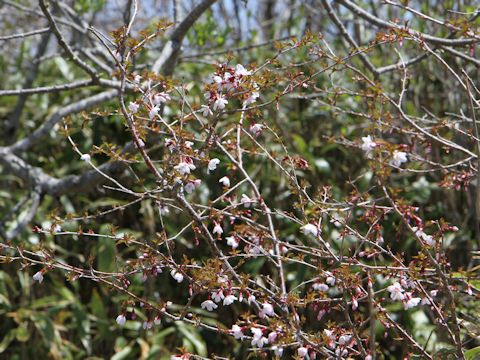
column 428, row 239
column 217, row 79
column 161, row 98
column 231, row 241
column 310, row 229
column 212, row 164
column 252, row 98
column 330, row 280
column 219, row 103
column 368, row 145
column 237, row 332
column 192, row 185
column 225, row 181
column 320, row 287
column 121, row 319
column 241, row 71
column 396, row 291
column 153, row 112
column 229, row 299
column 85, row 157
column 251, row 298
column 38, row 276
column 272, row 336
column 246, row 201
column 133, row 107
column 184, row 167
column 302, row 351
column 217, row 229
column 344, row 339
column 412, row 301
column 177, row 275
column 57, row 228
column 209, row 305
column 398, row 158
column 267, row 310
column 218, row 296
column 256, row 129
column 258, row 339
column 206, row 111
column 278, row 351
column 147, row 325
column 164, row 210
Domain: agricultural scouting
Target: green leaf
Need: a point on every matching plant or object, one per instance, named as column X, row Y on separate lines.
column 122, row 354
column 473, row 354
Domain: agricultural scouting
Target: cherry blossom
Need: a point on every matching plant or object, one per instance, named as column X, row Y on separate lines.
column 217, row 229
column 209, row 305
column 147, row 325
column 412, row 301
column 310, row 229
column 219, row 103
column 428, row 239
column 121, row 319
column 241, row 71
column 330, row 280
column 137, row 78
column 320, row 287
column 218, row 296
column 225, row 181
column 229, row 299
column 302, row 351
column 133, row 107
column 396, row 291
column 398, row 158
column 163, row 209
column 252, row 98
column 256, row 129
column 206, row 111
column 38, row 276
column 272, row 336
column 85, row 157
column 344, row 339
column 368, row 145
column 267, row 310
column 237, row 332
column 232, row 241
column 246, row 201
column 212, row 164
column 258, row 339
column 153, row 112
column 185, row 167
column 278, row 351
column 161, row 98
column 177, row 275
column 192, row 185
